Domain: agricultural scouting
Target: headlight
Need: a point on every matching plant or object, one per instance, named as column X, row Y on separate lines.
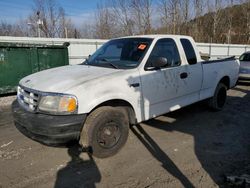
column 58, row 104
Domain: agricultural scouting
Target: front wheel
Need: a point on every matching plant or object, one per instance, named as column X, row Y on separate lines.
column 218, row 101
column 105, row 131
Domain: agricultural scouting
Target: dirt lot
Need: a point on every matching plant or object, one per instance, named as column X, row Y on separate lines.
column 192, row 147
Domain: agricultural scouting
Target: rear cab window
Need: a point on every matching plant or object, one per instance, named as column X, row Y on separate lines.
column 189, row 51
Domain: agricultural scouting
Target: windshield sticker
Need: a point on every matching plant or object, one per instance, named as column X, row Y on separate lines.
column 142, row 46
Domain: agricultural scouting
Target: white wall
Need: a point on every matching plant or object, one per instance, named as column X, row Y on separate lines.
column 223, row 50
column 79, row 49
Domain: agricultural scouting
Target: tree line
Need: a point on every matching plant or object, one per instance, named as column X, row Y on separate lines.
column 217, row 21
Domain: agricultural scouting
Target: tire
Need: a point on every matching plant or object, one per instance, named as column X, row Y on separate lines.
column 105, row 131
column 218, row 101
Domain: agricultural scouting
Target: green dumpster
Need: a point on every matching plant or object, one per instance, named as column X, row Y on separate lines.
column 19, row 60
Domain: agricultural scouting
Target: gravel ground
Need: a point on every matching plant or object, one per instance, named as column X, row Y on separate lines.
column 6, row 101
column 192, row 147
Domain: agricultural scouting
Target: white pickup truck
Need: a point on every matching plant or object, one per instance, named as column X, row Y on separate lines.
column 126, row 81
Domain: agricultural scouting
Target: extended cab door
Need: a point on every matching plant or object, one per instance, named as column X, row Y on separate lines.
column 167, row 89
column 190, row 91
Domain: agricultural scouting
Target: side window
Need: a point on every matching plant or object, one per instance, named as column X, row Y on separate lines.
column 189, row 51
column 242, row 57
column 245, row 57
column 166, row 48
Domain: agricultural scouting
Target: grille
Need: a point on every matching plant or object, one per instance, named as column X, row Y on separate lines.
column 27, row 99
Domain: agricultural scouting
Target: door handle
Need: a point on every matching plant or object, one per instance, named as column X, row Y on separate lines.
column 135, row 85
column 183, row 75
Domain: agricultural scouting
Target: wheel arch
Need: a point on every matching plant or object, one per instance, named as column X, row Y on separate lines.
column 120, row 103
column 225, row 80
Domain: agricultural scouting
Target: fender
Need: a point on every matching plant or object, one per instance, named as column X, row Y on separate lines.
column 98, row 101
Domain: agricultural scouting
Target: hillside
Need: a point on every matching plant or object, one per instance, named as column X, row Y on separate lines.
column 233, row 25
column 228, row 25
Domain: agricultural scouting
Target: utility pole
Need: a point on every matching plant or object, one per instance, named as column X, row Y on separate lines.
column 66, row 32
column 39, row 23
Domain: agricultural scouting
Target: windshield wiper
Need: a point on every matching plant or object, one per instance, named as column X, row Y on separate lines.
column 113, row 65
column 85, row 62
column 108, row 62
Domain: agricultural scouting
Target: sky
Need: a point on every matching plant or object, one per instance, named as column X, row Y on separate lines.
column 78, row 10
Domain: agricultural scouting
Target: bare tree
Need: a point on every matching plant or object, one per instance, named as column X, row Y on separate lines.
column 16, row 29
column 210, row 23
column 6, row 29
column 105, row 26
column 229, row 21
column 171, row 16
column 175, row 14
column 22, row 28
column 53, row 21
column 165, row 15
column 141, row 14
column 185, row 7
column 87, row 30
column 198, row 9
column 215, row 8
column 122, row 12
column 246, row 18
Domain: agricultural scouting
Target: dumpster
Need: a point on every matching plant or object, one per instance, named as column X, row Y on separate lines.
column 19, row 60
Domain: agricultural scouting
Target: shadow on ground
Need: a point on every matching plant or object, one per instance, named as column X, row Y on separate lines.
column 222, row 141
column 160, row 155
column 78, row 172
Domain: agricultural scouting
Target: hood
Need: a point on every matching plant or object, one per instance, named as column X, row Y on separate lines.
column 63, row 78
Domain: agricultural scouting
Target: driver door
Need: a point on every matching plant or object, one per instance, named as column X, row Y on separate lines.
column 161, row 88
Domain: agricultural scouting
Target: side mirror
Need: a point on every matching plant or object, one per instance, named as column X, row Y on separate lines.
column 156, row 63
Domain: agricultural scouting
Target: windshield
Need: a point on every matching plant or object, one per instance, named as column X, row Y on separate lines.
column 124, row 53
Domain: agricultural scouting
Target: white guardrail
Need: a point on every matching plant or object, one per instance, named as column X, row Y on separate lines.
column 79, row 49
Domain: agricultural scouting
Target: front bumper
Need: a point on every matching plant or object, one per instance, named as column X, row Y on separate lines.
column 47, row 129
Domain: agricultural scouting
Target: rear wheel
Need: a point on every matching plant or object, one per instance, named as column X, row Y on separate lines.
column 105, row 131
column 218, row 101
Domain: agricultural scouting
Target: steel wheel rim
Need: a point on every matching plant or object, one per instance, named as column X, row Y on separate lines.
column 108, row 135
